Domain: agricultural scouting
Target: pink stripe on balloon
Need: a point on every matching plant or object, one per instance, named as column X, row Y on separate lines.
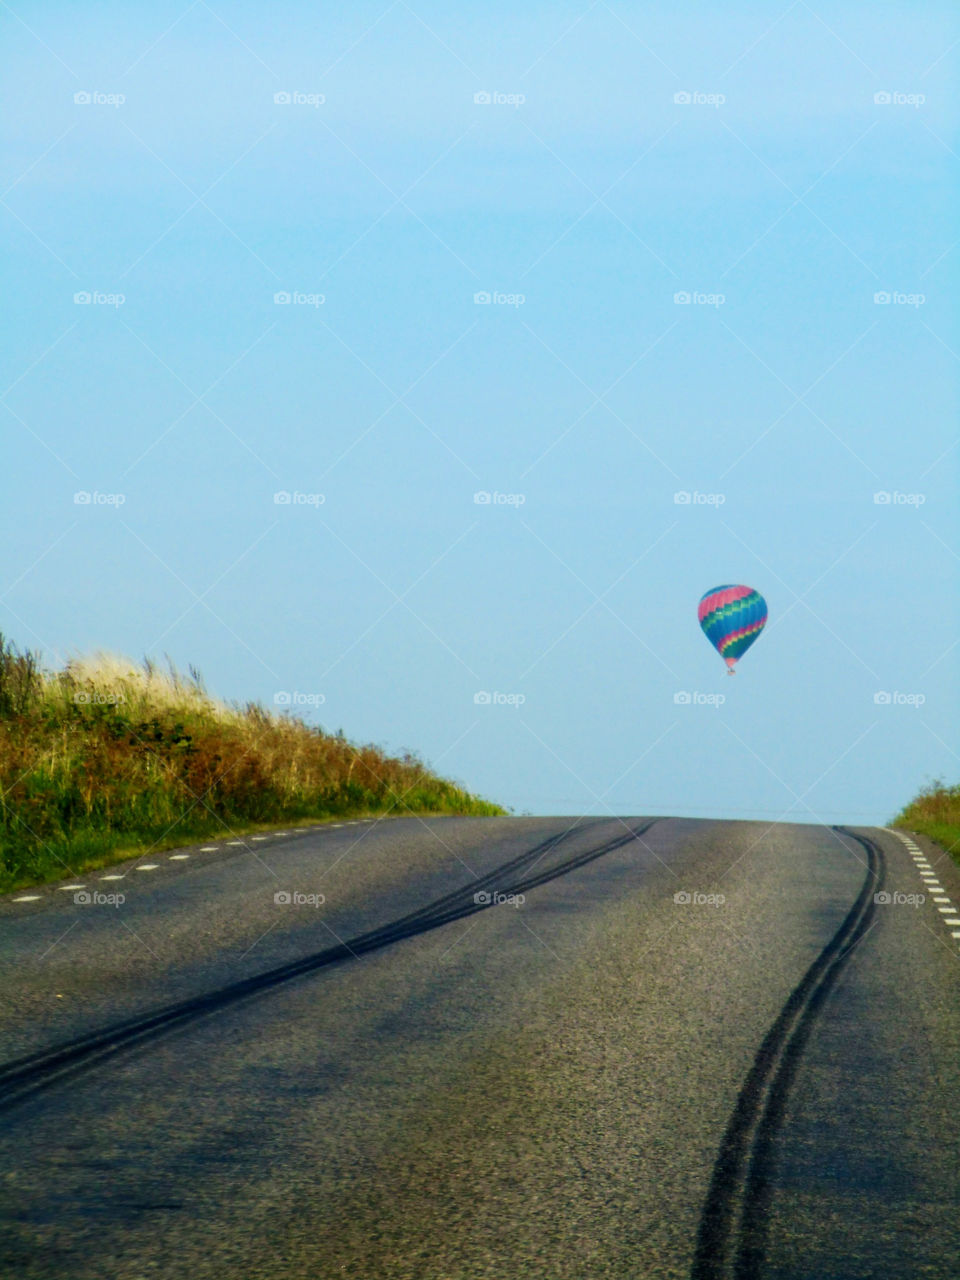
column 720, row 598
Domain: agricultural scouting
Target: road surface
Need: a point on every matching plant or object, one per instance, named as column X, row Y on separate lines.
column 515, row 1048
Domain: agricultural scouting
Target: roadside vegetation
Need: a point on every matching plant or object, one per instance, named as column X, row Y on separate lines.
column 936, row 813
column 105, row 759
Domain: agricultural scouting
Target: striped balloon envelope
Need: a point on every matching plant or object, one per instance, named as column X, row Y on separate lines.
column 732, row 617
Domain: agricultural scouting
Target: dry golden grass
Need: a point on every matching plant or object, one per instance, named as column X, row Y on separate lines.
column 105, row 757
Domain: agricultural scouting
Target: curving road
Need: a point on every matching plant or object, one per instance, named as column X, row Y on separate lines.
column 519, row 1047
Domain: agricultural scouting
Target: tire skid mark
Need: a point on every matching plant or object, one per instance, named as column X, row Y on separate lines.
column 25, row 1077
column 731, row 1241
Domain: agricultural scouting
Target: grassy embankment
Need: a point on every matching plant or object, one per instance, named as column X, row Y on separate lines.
column 105, row 759
column 936, row 813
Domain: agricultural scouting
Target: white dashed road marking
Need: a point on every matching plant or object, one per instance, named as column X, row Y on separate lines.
column 183, row 857
column 931, row 881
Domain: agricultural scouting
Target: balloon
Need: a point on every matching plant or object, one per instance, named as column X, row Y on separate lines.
column 732, row 617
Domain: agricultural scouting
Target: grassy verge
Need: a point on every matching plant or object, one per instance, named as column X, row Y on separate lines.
column 105, row 759
column 936, row 813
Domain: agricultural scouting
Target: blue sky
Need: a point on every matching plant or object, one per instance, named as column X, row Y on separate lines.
column 583, row 197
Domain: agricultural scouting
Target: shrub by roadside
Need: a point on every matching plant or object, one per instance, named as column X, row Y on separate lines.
column 935, row 812
column 106, row 758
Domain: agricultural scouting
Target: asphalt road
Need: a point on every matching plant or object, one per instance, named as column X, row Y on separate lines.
column 495, row 1048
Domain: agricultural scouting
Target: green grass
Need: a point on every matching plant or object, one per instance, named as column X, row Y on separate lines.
column 105, row 759
column 936, row 813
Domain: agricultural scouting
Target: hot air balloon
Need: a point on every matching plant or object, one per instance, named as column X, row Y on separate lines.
column 732, row 617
